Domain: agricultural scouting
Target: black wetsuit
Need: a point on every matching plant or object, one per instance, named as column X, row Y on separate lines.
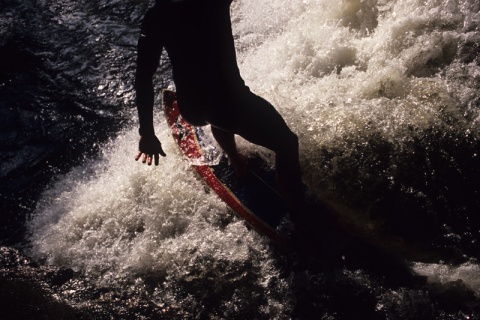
column 197, row 36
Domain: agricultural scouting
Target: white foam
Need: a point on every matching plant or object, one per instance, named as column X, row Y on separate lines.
column 124, row 209
column 117, row 219
column 336, row 70
column 343, row 70
column 441, row 273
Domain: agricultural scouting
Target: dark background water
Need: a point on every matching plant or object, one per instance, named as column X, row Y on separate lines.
column 66, row 70
column 65, row 75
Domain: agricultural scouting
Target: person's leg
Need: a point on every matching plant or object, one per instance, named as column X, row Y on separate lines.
column 256, row 120
column 288, row 171
column 226, row 140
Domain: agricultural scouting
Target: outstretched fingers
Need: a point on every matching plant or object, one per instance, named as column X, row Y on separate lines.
column 148, row 158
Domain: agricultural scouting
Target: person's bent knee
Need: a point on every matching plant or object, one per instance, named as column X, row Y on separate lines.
column 289, row 143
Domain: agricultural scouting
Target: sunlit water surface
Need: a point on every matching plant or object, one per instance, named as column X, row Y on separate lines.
column 384, row 98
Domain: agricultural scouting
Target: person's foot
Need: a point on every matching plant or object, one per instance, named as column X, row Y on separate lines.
column 293, row 194
column 239, row 164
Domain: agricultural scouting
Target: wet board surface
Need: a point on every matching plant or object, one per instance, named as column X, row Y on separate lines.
column 255, row 198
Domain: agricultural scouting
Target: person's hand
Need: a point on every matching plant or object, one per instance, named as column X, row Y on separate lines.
column 149, row 147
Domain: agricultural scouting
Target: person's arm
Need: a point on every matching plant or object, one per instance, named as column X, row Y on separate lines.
column 148, row 57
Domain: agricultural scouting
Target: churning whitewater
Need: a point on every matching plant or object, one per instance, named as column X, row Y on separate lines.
column 384, row 96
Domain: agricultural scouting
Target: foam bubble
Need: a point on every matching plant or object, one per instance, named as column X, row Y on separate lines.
column 443, row 273
column 358, row 81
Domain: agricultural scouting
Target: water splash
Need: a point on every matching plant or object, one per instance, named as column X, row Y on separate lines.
column 384, row 98
column 375, row 89
column 114, row 217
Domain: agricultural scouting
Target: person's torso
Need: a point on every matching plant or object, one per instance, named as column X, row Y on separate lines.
column 197, row 35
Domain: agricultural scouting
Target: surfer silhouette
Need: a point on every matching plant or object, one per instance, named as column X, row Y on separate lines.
column 197, row 36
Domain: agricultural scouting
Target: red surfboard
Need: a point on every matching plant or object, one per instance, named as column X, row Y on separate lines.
column 255, row 199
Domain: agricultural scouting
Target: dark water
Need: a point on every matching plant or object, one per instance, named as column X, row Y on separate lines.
column 65, row 85
column 384, row 98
